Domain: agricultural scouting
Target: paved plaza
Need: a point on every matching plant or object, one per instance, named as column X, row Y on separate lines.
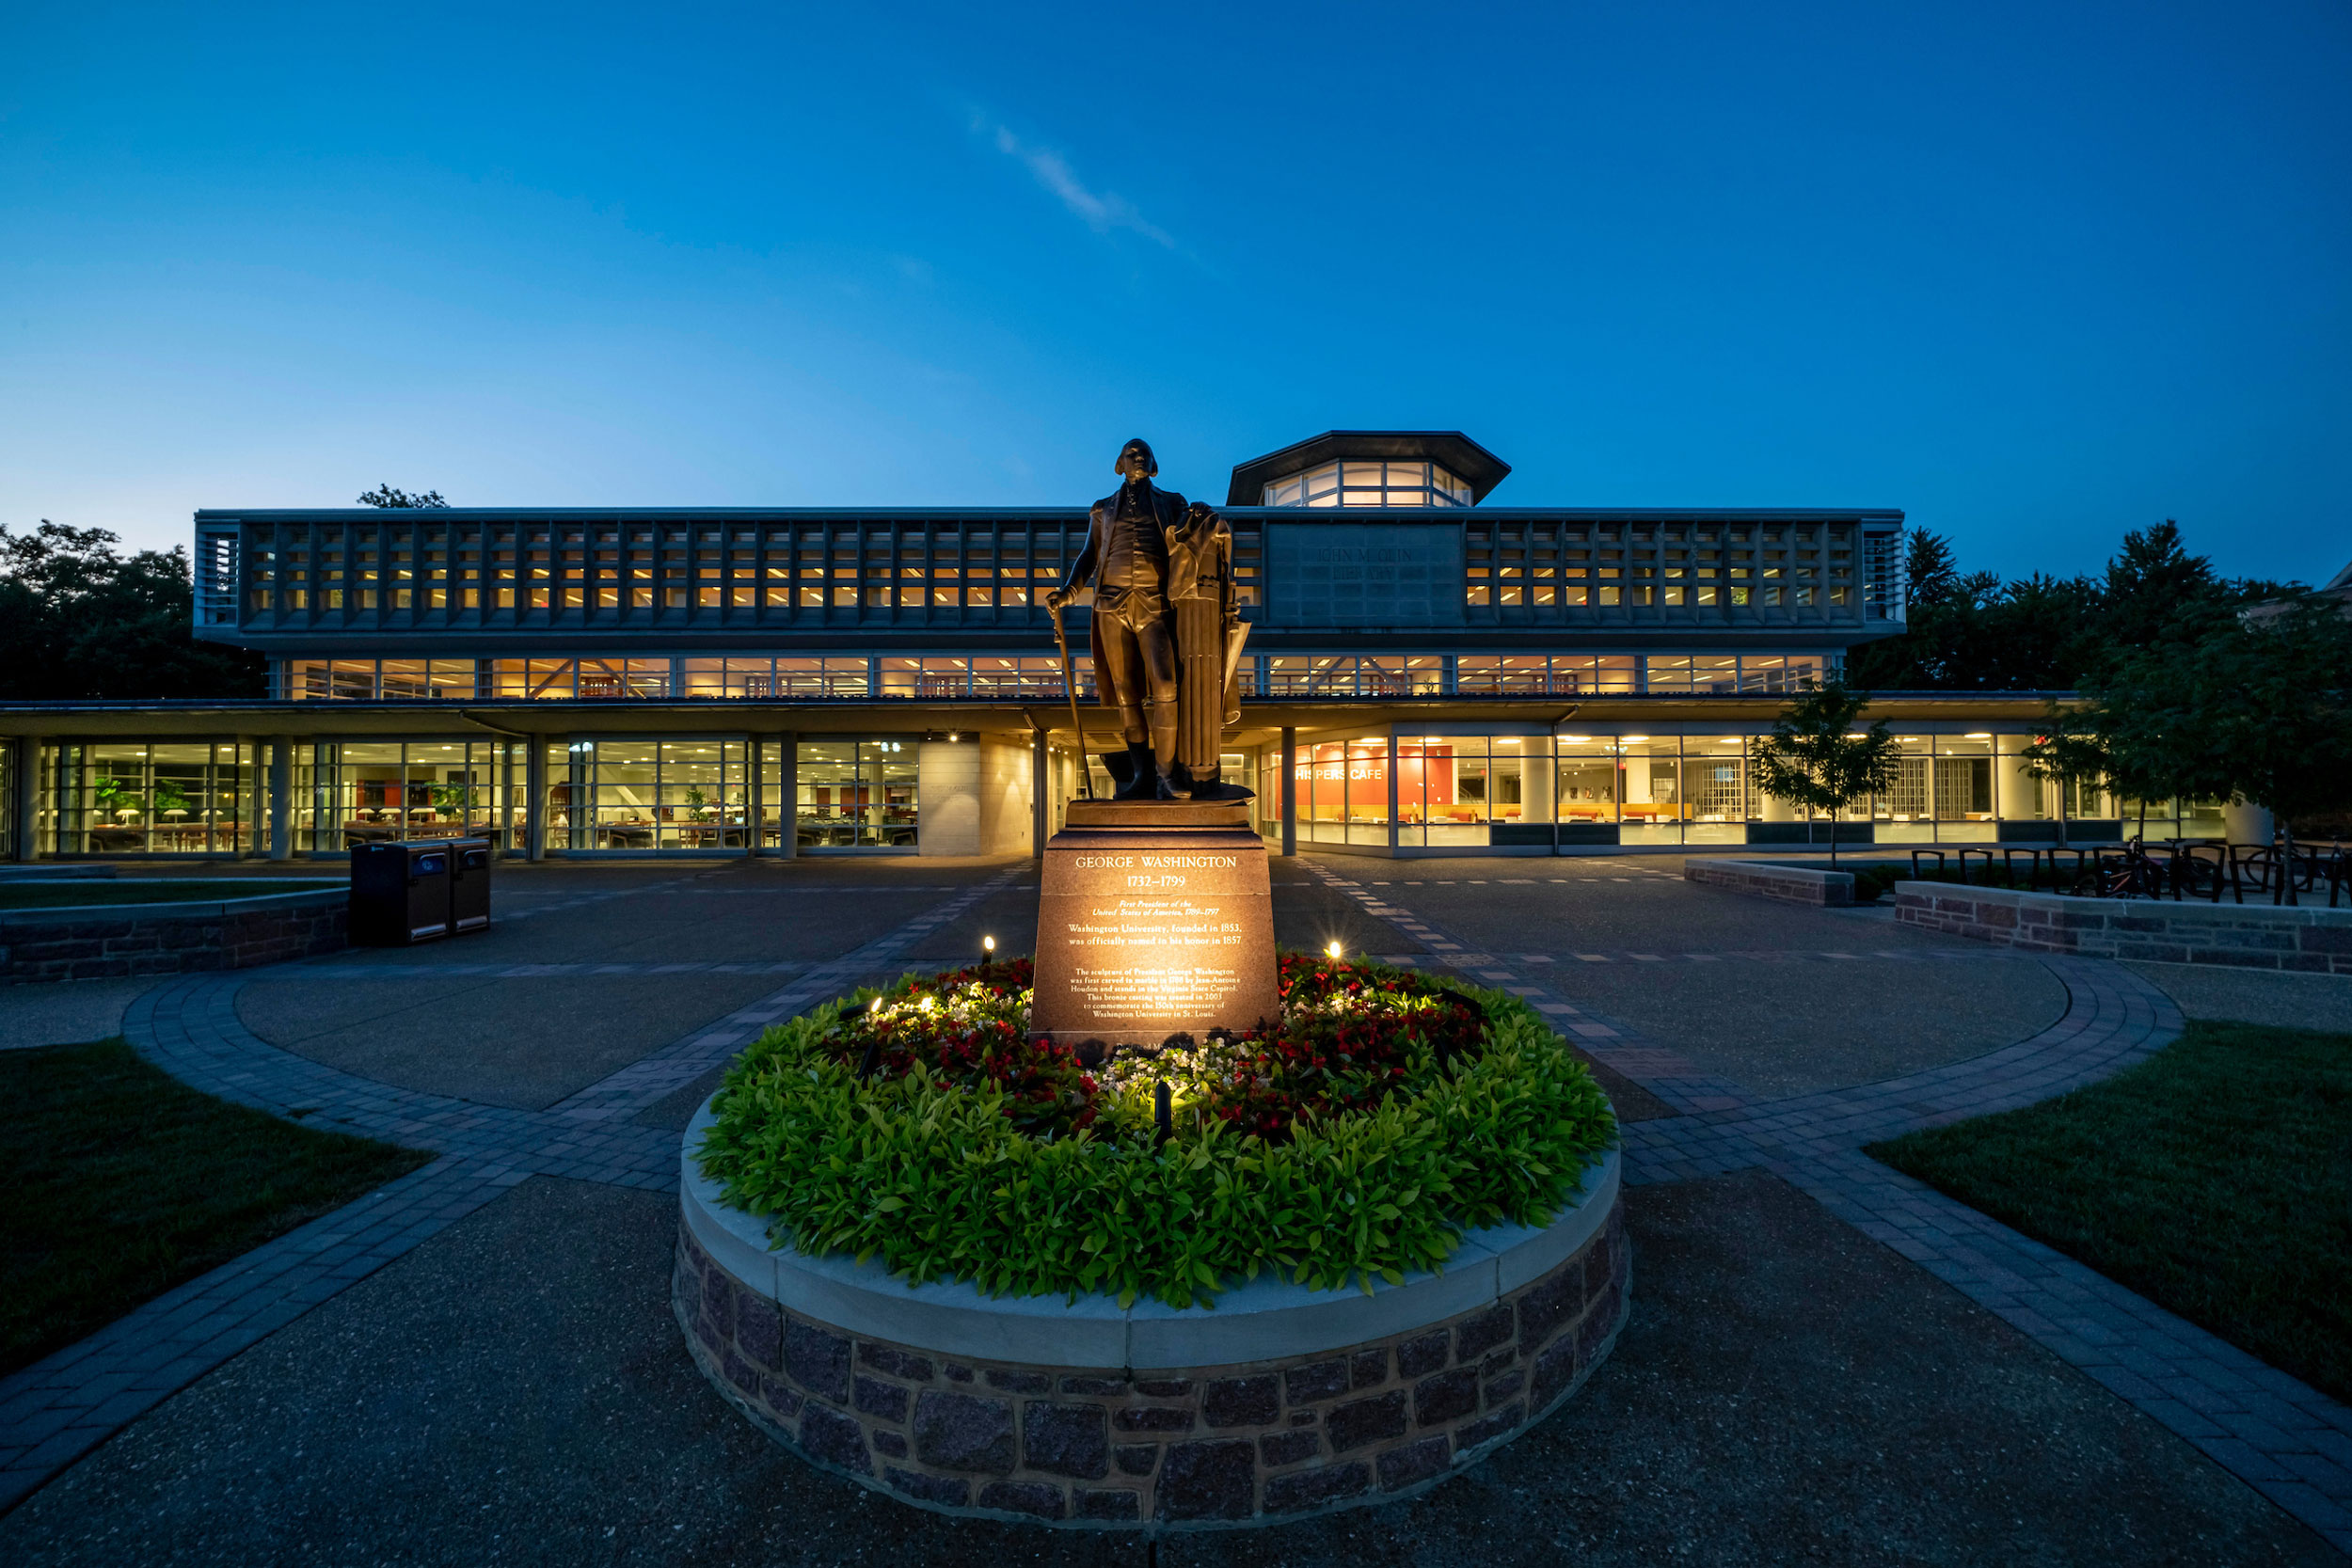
column 1826, row 1361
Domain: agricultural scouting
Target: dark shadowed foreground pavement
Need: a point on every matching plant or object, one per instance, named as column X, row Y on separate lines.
column 1787, row 1391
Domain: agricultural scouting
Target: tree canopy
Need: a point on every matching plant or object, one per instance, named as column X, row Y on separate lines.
column 2254, row 706
column 81, row 622
column 1971, row 632
column 385, row 495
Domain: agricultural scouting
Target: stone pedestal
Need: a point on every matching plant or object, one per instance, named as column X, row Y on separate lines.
column 1155, row 918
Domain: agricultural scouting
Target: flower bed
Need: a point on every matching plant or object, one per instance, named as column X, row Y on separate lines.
column 1356, row 1137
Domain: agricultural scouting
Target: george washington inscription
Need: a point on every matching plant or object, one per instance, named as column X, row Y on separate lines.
column 1154, row 919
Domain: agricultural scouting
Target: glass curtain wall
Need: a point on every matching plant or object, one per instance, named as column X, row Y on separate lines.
column 1343, row 788
column 352, row 792
column 857, row 795
column 141, row 798
column 660, row 795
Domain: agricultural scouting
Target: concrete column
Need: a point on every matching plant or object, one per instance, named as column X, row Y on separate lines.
column 536, row 799
column 25, row 842
column 948, row 797
column 755, row 797
column 1289, row 786
column 789, row 794
column 281, row 801
column 1393, row 828
column 506, row 797
column 1536, row 779
column 1041, row 793
column 2016, row 794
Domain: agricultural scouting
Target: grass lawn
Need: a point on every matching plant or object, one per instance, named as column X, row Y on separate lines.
column 122, row 1181
column 2215, row 1179
column 92, row 890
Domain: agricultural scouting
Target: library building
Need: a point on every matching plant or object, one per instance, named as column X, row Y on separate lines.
column 1424, row 674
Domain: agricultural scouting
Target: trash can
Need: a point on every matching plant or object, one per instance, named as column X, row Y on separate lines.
column 399, row 892
column 469, row 884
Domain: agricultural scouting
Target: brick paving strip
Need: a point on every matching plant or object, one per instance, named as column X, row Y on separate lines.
column 2287, row 1440
column 59, row 1408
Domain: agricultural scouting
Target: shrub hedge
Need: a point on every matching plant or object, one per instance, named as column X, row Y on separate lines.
column 1357, row 1137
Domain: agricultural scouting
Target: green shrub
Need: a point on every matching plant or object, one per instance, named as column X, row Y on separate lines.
column 939, row 1178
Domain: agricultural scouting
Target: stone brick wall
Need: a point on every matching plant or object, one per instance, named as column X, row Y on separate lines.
column 1156, row 1448
column 1797, row 884
column 2312, row 940
column 127, row 940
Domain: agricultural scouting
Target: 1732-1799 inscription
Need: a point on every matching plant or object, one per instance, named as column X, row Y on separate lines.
column 1139, row 940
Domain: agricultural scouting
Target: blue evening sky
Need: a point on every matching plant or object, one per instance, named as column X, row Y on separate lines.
column 2035, row 273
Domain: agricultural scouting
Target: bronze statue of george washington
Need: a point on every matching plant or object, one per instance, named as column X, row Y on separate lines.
column 1166, row 630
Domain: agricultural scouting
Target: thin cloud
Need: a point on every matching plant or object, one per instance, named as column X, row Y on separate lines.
column 1102, row 213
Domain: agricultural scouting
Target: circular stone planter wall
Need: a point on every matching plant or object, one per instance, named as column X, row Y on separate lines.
column 1278, row 1402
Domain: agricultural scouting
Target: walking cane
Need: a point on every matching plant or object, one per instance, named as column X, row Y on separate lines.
column 1070, row 684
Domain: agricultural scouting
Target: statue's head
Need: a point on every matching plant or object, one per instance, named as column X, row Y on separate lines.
column 1135, row 459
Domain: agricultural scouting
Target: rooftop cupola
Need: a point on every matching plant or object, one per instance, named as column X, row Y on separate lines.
column 1371, row 468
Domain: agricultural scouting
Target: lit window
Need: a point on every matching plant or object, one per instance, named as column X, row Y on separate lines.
column 1369, row 483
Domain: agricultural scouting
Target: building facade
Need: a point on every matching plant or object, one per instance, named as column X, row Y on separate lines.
column 1427, row 673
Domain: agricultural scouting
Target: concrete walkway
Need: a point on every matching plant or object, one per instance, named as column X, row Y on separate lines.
column 1753, row 1210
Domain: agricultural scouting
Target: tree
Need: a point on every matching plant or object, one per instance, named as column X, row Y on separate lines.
column 79, row 622
column 2253, row 706
column 2268, row 714
column 2069, row 752
column 1817, row 759
column 1970, row 631
column 384, row 495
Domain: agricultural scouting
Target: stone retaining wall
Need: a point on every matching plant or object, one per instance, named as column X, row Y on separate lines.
column 103, row 942
column 1156, row 1448
column 1797, row 884
column 2310, row 940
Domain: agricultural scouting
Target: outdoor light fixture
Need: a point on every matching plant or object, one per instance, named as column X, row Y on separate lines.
column 1332, row 950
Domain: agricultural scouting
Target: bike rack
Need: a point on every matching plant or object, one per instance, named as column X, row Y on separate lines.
column 2033, row 868
column 1915, row 864
column 1986, row 855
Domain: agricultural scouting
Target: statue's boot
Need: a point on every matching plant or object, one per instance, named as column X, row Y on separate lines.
column 1168, row 781
column 1143, row 780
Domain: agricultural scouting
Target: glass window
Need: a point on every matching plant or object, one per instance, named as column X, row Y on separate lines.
column 1368, row 790
column 1588, row 778
column 1369, row 483
column 1442, row 790
column 1714, row 776
column 857, row 795
column 1649, row 789
column 1963, row 788
column 1906, row 813
column 1322, row 785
